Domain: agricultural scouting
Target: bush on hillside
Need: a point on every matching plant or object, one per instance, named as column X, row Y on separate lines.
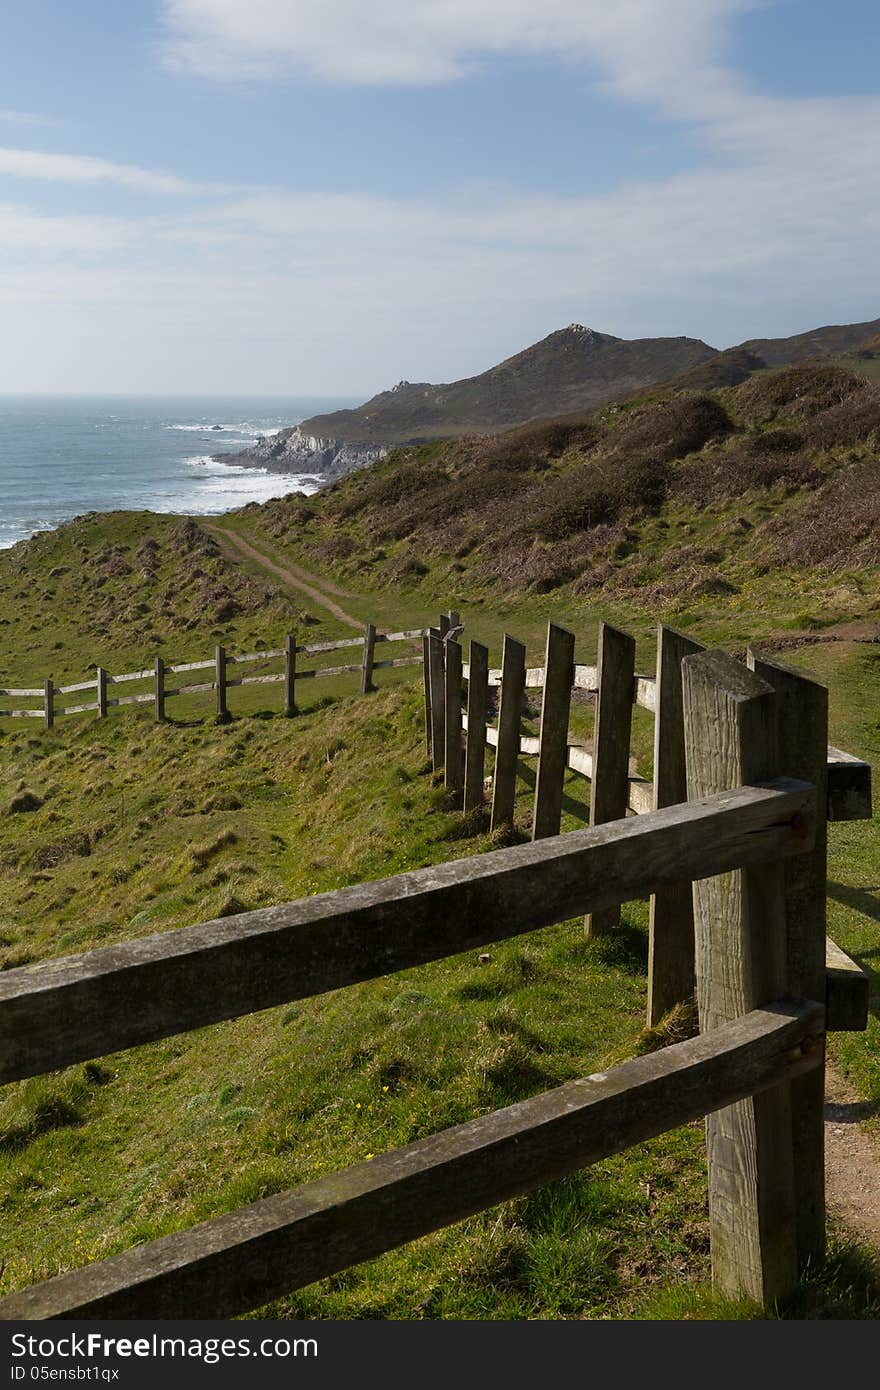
column 839, row 527
column 796, row 392
column 672, row 428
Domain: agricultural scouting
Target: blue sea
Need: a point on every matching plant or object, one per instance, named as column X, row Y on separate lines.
column 62, row 456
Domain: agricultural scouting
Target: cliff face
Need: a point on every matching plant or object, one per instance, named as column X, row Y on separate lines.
column 295, row 450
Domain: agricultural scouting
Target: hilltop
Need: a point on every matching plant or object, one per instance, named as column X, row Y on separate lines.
column 570, row 371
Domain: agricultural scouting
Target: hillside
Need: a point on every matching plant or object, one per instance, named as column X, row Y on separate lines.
column 831, row 341
column 750, row 511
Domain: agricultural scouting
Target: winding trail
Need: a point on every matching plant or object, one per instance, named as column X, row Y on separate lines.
column 293, row 575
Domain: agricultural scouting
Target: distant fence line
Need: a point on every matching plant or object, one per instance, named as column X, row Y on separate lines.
column 457, row 737
column 221, row 682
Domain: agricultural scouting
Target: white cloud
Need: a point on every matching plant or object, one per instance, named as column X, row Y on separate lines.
column 70, row 168
column 642, row 45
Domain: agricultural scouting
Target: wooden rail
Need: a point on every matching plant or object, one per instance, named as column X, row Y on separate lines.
column 48, row 693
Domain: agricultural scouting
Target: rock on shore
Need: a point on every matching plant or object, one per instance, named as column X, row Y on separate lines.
column 292, row 451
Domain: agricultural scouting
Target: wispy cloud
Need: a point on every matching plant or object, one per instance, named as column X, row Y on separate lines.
column 27, row 118
column 77, row 168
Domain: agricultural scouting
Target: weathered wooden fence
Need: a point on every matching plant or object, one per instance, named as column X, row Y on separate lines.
column 221, row 681
column 844, row 781
column 750, row 837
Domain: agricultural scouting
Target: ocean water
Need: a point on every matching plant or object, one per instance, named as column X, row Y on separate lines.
column 62, row 456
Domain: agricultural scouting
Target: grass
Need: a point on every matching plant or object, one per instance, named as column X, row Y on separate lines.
column 112, row 829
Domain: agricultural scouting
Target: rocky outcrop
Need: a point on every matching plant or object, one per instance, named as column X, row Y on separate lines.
column 295, row 451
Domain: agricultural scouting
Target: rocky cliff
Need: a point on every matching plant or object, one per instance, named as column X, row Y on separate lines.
column 295, row 450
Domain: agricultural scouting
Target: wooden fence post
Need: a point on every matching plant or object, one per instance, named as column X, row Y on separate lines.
column 290, row 675
column 671, row 925
column 453, row 770
column 159, row 676
column 445, row 624
column 48, row 703
column 730, row 741
column 609, row 792
column 220, row 683
column 102, row 692
column 553, row 754
column 426, row 682
column 436, row 656
column 802, row 733
column 369, row 656
column 513, row 684
column 477, row 712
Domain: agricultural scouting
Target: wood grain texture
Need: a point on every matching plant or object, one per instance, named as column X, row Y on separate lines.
column 741, row 963
column 513, row 675
column 671, row 920
column 609, row 790
column 802, row 742
column 220, row 682
column 48, row 704
column 477, row 714
column 553, row 739
column 159, row 689
column 369, row 657
column 245, row 1258
column 436, row 657
column 426, row 693
column 847, row 992
column 61, row 1011
column 453, row 752
column 101, row 676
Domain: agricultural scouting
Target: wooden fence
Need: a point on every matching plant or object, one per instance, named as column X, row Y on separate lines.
column 844, row 781
column 221, row 682
column 750, row 836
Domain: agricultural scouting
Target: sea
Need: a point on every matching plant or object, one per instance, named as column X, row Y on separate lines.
column 63, row 456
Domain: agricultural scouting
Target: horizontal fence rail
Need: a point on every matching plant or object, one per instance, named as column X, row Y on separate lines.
column 240, row 1260
column 68, row 1010
column 160, row 670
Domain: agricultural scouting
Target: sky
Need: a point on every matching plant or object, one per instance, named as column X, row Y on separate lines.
column 311, row 197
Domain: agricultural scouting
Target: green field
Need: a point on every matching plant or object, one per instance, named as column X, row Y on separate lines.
column 116, row 828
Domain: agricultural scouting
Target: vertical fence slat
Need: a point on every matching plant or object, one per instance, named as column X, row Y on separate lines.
column 369, row 656
column 48, row 703
column 730, row 740
column 609, row 791
column 426, row 683
column 220, row 682
column 555, row 710
column 513, row 684
column 802, row 731
column 477, row 713
column 671, row 925
column 101, row 675
column 453, row 769
column 290, row 675
column 159, row 689
column 438, row 679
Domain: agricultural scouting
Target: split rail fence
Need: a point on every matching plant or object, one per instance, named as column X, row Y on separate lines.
column 221, row 681
column 458, row 733
column 749, row 836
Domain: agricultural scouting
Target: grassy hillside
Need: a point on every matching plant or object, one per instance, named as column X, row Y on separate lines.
column 747, row 512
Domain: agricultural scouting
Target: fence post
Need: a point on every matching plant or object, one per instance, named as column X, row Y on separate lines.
column 730, row 741
column 437, row 678
column 802, row 732
column 426, row 682
column 369, row 655
column 220, row 683
column 609, row 792
column 48, row 703
column 477, row 712
column 553, row 754
column 159, row 671
column 453, row 771
column 290, row 675
column 513, row 684
column 102, row 692
column 671, row 924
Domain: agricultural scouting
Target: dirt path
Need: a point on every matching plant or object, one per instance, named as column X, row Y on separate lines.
column 852, row 1162
column 291, row 574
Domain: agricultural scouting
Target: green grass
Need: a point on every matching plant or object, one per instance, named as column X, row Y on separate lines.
column 134, row 829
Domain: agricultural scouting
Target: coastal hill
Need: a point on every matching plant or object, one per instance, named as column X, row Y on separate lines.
column 571, row 371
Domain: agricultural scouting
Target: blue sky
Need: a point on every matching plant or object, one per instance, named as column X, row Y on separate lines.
column 309, row 196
